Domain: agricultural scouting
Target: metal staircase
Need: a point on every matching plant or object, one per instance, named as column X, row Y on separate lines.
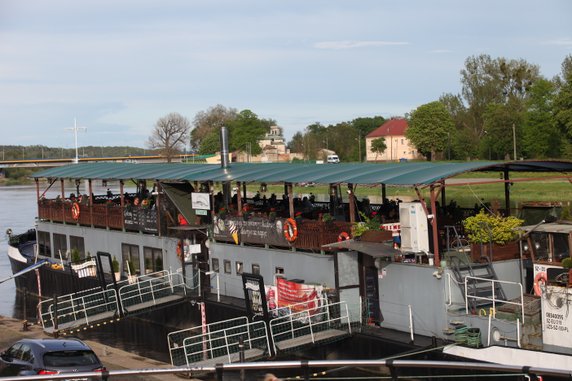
column 478, row 282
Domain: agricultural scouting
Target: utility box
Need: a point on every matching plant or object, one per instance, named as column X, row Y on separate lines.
column 414, row 229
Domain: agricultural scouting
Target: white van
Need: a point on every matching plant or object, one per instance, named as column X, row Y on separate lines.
column 333, row 159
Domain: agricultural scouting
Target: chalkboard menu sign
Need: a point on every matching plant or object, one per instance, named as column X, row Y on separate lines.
column 139, row 219
column 255, row 297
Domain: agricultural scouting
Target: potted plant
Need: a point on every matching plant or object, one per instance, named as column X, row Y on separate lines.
column 75, row 255
column 492, row 232
column 327, row 218
column 370, row 229
column 272, row 215
column 115, row 265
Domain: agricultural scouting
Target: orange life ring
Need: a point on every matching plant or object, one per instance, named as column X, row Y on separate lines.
column 343, row 237
column 75, row 211
column 290, row 230
column 179, row 249
column 539, row 279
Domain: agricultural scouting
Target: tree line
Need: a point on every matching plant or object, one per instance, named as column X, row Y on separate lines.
column 505, row 109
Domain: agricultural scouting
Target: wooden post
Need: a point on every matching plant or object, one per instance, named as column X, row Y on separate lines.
column 38, row 194
column 434, row 224
column 506, row 193
column 158, row 207
column 238, row 199
column 290, row 199
column 122, row 203
column 351, row 200
column 90, row 202
column 383, row 193
column 63, row 201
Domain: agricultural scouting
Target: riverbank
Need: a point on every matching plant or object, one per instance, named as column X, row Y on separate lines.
column 112, row 358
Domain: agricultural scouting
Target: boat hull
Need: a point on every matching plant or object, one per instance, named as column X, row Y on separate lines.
column 46, row 281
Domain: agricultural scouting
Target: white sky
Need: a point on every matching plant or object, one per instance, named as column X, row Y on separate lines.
column 119, row 65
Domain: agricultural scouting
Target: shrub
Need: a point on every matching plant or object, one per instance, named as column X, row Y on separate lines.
column 485, row 227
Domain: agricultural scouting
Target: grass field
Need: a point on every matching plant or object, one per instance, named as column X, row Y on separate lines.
column 550, row 189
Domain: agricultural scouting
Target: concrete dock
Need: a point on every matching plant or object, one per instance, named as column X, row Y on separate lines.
column 11, row 330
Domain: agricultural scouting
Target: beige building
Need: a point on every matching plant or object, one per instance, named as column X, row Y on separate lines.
column 398, row 146
column 273, row 149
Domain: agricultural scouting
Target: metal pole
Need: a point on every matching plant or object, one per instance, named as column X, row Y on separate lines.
column 514, row 141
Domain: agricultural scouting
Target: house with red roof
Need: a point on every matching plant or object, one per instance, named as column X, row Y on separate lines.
column 398, row 146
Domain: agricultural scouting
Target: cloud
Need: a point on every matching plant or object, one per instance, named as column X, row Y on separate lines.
column 338, row 45
column 560, row 42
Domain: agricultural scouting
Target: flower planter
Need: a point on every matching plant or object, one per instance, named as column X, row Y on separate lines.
column 376, row 236
column 500, row 252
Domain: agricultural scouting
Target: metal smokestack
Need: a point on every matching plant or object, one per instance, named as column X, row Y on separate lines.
column 224, row 147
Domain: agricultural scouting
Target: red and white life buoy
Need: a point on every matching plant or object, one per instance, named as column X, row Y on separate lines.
column 539, row 280
column 75, row 211
column 180, row 249
column 290, row 230
column 343, row 237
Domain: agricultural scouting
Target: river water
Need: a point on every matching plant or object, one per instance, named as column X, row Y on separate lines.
column 17, row 212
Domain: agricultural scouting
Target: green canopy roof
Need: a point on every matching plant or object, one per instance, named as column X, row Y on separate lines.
column 397, row 174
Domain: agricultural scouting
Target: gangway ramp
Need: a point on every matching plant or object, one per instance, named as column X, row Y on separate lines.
column 319, row 325
column 97, row 306
column 220, row 342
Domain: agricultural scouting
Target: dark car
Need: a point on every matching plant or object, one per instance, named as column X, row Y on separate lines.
column 49, row 356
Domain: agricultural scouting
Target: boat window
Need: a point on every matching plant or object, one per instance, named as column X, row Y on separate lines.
column 561, row 249
column 279, row 270
column 256, row 269
column 130, row 254
column 77, row 243
column 215, row 265
column 227, row 267
column 60, row 246
column 44, row 245
column 153, row 259
column 239, row 268
column 541, row 246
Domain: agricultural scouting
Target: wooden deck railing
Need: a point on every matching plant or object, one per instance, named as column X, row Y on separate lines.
column 312, row 234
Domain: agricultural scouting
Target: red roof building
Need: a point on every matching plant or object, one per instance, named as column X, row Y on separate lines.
column 398, row 146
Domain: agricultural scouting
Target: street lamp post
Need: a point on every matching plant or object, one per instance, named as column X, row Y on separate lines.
column 514, row 141
column 359, row 146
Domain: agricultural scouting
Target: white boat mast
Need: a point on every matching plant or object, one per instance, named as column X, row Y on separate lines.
column 75, row 129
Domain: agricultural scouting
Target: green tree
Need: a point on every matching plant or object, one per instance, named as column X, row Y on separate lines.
column 487, row 81
column 541, row 138
column 460, row 143
column 208, row 122
column 498, row 122
column 563, row 103
column 169, row 135
column 246, row 130
column 378, row 146
column 429, row 128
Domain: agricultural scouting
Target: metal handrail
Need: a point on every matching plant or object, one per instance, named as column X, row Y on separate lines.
column 307, row 321
column 149, row 287
column 493, row 299
column 69, row 307
column 231, row 336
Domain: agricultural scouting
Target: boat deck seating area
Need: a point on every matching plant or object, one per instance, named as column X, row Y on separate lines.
column 95, row 306
column 221, row 342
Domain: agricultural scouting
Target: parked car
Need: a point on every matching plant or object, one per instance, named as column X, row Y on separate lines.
column 333, row 159
column 49, row 356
